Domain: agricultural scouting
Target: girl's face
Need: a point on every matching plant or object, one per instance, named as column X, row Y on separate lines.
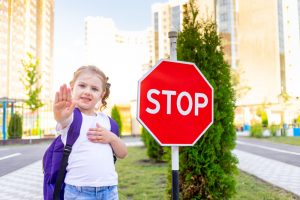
column 87, row 91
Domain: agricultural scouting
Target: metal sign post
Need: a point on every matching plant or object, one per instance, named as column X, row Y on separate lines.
column 175, row 149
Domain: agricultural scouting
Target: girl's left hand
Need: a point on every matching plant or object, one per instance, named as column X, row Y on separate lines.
column 100, row 135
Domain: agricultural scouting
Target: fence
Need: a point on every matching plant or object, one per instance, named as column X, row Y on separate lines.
column 35, row 125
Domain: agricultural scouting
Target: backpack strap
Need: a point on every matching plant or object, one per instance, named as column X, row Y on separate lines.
column 115, row 129
column 114, row 126
column 72, row 135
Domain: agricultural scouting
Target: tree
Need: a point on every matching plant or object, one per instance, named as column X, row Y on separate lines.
column 31, row 82
column 32, row 85
column 115, row 114
column 207, row 169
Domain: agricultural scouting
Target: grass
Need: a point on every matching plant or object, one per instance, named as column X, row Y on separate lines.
column 251, row 188
column 141, row 179
column 284, row 140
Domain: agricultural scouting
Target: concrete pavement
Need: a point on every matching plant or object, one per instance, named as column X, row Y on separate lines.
column 274, row 172
column 27, row 183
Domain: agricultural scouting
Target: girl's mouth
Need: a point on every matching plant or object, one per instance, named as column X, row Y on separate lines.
column 85, row 99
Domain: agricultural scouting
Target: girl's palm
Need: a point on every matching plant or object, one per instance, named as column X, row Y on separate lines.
column 63, row 106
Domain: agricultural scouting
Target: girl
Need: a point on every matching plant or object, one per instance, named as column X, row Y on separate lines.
column 90, row 172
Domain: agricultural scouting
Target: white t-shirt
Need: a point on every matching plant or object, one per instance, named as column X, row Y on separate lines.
column 90, row 164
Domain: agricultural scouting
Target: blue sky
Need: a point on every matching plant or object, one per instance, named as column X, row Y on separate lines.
column 129, row 15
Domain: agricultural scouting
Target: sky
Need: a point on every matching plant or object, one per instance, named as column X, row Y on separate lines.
column 129, row 15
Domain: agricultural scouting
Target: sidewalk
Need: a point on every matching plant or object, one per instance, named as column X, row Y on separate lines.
column 29, row 180
column 277, row 173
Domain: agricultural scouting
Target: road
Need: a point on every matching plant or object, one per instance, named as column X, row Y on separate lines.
column 289, row 154
column 265, row 160
column 13, row 157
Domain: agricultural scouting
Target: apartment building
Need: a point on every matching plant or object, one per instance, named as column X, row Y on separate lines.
column 263, row 41
column 124, row 57
column 25, row 26
column 166, row 17
column 260, row 40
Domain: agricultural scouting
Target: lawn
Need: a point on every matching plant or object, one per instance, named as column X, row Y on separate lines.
column 284, row 140
column 141, row 179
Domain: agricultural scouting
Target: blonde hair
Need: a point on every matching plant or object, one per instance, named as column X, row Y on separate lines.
column 95, row 70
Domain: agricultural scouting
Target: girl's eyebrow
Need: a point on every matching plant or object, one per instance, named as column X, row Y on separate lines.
column 82, row 82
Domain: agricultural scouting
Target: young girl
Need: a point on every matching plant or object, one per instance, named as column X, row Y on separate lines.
column 91, row 171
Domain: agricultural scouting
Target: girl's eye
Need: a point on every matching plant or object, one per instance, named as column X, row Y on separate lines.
column 95, row 89
column 81, row 85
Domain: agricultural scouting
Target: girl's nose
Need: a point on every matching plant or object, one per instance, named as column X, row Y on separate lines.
column 87, row 91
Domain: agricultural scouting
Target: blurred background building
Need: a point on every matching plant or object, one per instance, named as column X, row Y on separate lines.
column 260, row 39
column 261, row 44
column 123, row 56
column 26, row 26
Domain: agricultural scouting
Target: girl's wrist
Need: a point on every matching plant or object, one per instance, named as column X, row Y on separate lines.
column 114, row 138
column 65, row 122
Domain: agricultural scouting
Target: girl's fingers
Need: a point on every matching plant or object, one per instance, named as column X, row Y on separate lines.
column 60, row 94
column 56, row 97
column 64, row 92
column 69, row 96
column 93, row 137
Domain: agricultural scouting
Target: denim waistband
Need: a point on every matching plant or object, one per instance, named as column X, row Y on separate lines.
column 91, row 189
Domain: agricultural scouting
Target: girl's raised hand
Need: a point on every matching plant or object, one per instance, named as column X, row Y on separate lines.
column 63, row 105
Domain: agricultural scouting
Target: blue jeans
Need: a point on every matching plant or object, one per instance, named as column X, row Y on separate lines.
column 91, row 193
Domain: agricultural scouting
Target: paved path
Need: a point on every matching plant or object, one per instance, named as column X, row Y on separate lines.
column 28, row 180
column 280, row 174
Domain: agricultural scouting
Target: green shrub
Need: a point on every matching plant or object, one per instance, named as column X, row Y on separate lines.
column 273, row 129
column 154, row 150
column 207, row 170
column 15, row 127
column 144, row 134
column 115, row 114
column 298, row 119
column 264, row 119
column 256, row 130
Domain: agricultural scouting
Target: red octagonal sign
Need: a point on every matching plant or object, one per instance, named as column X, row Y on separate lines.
column 175, row 103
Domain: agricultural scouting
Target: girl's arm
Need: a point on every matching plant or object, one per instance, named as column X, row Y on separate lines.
column 119, row 147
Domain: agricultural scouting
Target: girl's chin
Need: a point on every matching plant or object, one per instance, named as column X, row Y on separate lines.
column 85, row 107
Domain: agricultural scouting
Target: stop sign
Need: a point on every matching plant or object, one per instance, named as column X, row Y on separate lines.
column 175, row 103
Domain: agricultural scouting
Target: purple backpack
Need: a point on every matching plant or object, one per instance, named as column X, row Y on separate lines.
column 55, row 159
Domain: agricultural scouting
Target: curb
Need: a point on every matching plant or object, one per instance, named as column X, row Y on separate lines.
column 24, row 141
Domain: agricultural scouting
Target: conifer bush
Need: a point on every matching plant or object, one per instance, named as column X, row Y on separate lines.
column 144, row 135
column 15, row 127
column 207, row 169
column 154, row 150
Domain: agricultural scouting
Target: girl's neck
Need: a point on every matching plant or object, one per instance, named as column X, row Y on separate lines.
column 88, row 112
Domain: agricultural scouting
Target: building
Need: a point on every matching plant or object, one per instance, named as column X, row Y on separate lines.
column 260, row 40
column 166, row 17
column 123, row 56
column 26, row 26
